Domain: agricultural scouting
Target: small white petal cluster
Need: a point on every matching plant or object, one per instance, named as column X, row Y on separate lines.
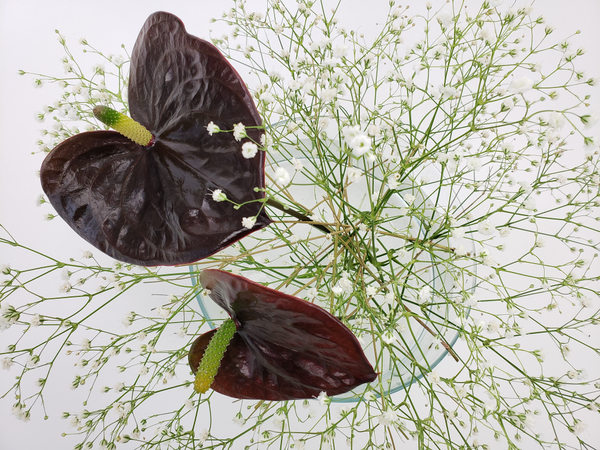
column 520, row 85
column 249, row 150
column 357, row 140
column 353, row 174
column 219, row 196
column 239, row 131
column 323, row 399
column 212, row 128
column 281, row 176
column 486, row 228
column 433, row 377
column 248, row 222
column 389, row 417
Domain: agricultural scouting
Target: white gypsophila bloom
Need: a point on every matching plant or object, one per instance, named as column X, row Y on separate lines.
column 529, row 204
column 281, row 176
column 353, row 174
column 525, row 186
column 189, row 403
column 248, row 222
column 64, row 288
column 445, row 18
column 267, row 97
column 520, row 85
column 219, row 196
column 328, row 95
column 409, row 199
column 346, row 285
column 35, row 320
column 425, row 294
column 508, row 104
column 433, row 377
column 87, row 255
column 350, row 133
column 86, row 344
column 323, row 399
column 457, row 233
column 360, row 144
column 239, row 131
column 6, row 363
column 488, row 35
column 212, row 128
column 249, row 150
column 297, row 164
column 486, row 228
column 389, row 417
column 373, row 130
column 589, row 120
column 578, row 427
column 182, row 332
column 448, row 91
column 122, row 410
column 128, row 319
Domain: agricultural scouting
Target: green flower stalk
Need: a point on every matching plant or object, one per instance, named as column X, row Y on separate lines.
column 209, row 365
column 123, row 124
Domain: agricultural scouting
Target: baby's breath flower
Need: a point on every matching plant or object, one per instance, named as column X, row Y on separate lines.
column 248, row 222
column 249, row 150
column 219, row 196
column 212, row 128
column 239, row 131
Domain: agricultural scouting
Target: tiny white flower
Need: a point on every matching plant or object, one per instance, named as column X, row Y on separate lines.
column 7, row 363
column 578, row 427
column 389, row 417
column 87, row 255
column 248, row 222
column 409, row 198
column 297, row 164
column 163, row 312
column 433, row 377
column 353, row 174
column 520, row 85
column 267, row 97
column 239, row 131
column 212, row 128
column 281, row 176
column 486, row 228
column 219, row 196
column 323, row 399
column 360, row 145
column 249, row 150
column 529, row 204
column 328, row 95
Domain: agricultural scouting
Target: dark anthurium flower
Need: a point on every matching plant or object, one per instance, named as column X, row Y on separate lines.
column 282, row 348
column 159, row 201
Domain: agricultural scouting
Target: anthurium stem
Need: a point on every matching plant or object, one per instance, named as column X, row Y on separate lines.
column 211, row 360
column 297, row 214
column 123, row 124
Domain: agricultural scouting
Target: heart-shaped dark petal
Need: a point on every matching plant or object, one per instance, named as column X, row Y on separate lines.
column 153, row 205
column 285, row 348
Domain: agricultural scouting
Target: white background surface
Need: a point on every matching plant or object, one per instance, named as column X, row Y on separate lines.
column 28, row 42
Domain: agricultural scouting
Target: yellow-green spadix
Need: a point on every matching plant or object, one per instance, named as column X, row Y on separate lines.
column 211, row 360
column 123, row 124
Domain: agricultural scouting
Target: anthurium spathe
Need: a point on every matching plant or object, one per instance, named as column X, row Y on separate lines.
column 148, row 198
column 283, row 347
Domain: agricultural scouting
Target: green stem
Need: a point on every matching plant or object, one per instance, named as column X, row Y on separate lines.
column 297, row 214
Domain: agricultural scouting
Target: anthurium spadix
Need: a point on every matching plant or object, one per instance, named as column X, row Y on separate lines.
column 147, row 198
column 282, row 348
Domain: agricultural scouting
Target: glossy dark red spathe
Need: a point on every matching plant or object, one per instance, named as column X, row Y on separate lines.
column 153, row 205
column 284, row 348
